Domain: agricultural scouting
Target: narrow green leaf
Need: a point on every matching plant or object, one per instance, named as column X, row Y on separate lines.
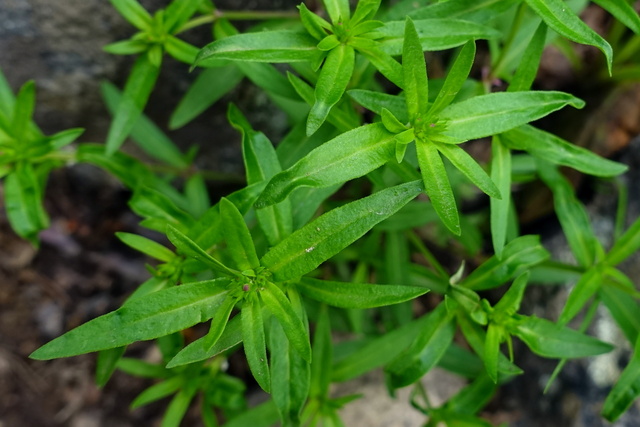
column 158, row 391
column 473, row 10
column 357, row 295
column 377, row 101
column 106, row 364
column 547, row 339
column 178, row 12
column 65, row 137
column 530, row 62
column 338, row 10
column 348, row 156
column 626, row 245
column 315, row 25
column 134, row 97
column 146, row 246
column 437, row 186
column 381, row 60
column 324, row 237
column 427, row 349
column 277, row 303
column 469, row 167
column 561, row 19
column 157, row 207
column 456, row 77
column 23, row 109
column 391, row 123
column 492, row 350
column 494, row 113
column 155, row 315
column 365, row 10
column 254, row 341
column 237, row 236
column 328, row 43
column 414, row 67
column 126, row 47
column 434, row 34
column 501, row 176
column 7, row 100
column 145, row 133
column 264, row 46
column 518, row 256
column 510, row 302
column 626, row 390
column 332, row 82
column 188, row 247
column 586, row 288
column 322, row 357
column 572, row 215
column 186, row 52
column 178, row 406
column 23, row 202
column 472, row 398
column 208, row 88
column 623, row 309
column 547, row 146
column 198, row 351
column 134, row 13
column 219, row 322
column 263, row 415
column 623, row 11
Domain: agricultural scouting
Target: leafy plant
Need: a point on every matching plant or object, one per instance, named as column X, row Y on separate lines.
column 281, row 253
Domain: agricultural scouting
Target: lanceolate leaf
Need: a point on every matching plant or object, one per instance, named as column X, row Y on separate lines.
column 322, row 356
column 334, row 77
column 254, row 341
column 278, row 304
column 381, row 60
column 23, row 202
column 548, row 339
column 219, row 322
column 501, row 176
column 416, row 87
column 324, row 237
column 357, row 295
column 623, row 11
column 134, row 13
column 435, row 34
column 377, row 101
column 152, row 316
column 348, row 156
column 473, row 10
column 263, row 46
column 146, row 246
column 338, row 10
column 315, row 25
column 530, row 62
column 237, row 236
column 626, row 390
column 437, row 186
column 623, row 309
column 549, row 147
column 498, row 112
column 626, row 245
column 134, row 97
column 456, row 77
column 158, row 391
column 557, row 15
column 468, row 166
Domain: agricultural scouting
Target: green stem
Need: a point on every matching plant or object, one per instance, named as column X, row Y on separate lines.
column 237, row 15
column 415, row 240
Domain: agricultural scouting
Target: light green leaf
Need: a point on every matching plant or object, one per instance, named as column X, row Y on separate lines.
column 188, row 247
column 469, row 167
column 626, row 245
column 152, row 316
column 277, row 303
column 23, row 202
column 623, row 309
column 557, row 15
column 23, row 110
column 134, row 13
column 254, row 341
column 219, row 322
column 185, row 52
column 178, row 13
column 427, row 349
column 530, row 63
column 158, row 391
column 327, row 235
column 437, row 186
column 501, row 176
column 623, row 11
column 494, row 113
column 626, row 390
column 146, row 246
column 332, row 82
column 357, row 295
column 134, row 97
column 208, row 88
column 322, row 356
column 263, row 46
column 126, row 47
column 492, row 350
column 510, row 302
column 377, row 101
column 547, row 146
column 237, row 236
column 456, row 77
column 414, row 68
column 314, row 24
column 65, row 137
column 589, row 283
column 106, row 364
column 381, row 60
column 348, row 156
column 178, row 406
column 547, row 339
column 518, row 256
column 365, row 10
column 338, row 10
column 263, row 415
column 474, row 10
column 434, row 34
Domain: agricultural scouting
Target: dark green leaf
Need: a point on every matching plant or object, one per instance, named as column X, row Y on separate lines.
column 134, row 97
column 188, row 247
column 264, row 46
column 357, row 295
column 509, row 304
column 437, row 186
column 492, row 350
column 314, row 24
column 324, row 237
column 623, row 11
column 456, row 77
column 254, row 341
column 416, row 86
column 475, row 10
column 155, row 315
column 23, row 202
column 106, row 364
column 549, row 147
column 178, row 406
column 377, row 101
column 381, row 60
column 263, row 415
column 219, row 322
column 624, row 310
column 586, row 288
column 179, row 12
column 23, row 110
column 501, row 176
column 237, row 236
column 626, row 390
column 547, row 339
column 529, row 64
column 146, row 246
column 626, row 245
column 322, row 356
column 561, row 19
column 185, row 52
column 158, row 391
column 348, row 156
column 499, row 112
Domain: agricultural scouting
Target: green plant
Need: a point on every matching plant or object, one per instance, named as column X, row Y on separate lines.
column 261, row 264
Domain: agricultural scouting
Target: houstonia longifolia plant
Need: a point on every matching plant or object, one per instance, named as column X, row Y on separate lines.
column 279, row 264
